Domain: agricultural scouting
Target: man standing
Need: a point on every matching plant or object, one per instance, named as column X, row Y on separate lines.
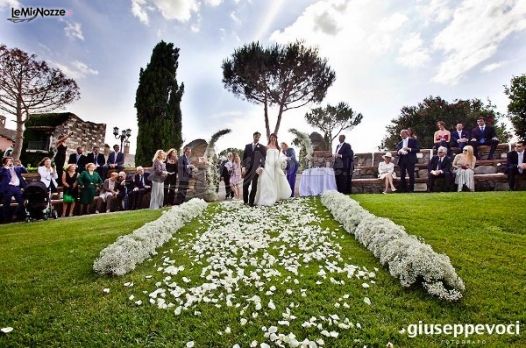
column 253, row 159
column 439, row 168
column 98, row 159
column 184, row 172
column 11, row 185
column 79, row 159
column 407, row 149
column 459, row 137
column 115, row 160
column 484, row 135
column 292, row 165
column 516, row 164
column 343, row 166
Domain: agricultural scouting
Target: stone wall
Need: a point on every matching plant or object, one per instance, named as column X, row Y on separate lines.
column 87, row 134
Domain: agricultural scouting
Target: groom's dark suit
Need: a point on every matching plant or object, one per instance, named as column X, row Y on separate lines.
column 253, row 158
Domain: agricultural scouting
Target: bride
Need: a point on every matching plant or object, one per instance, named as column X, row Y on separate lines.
column 272, row 184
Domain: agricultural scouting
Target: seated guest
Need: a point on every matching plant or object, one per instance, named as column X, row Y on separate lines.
column 115, row 160
column 70, row 185
column 11, row 185
column 108, row 193
column 124, row 187
column 170, row 183
column 386, row 172
column 442, row 136
column 79, row 159
column 464, row 163
column 141, row 185
column 516, row 164
column 460, row 136
column 439, row 168
column 48, row 175
column 483, row 135
column 89, row 180
column 158, row 176
column 98, row 159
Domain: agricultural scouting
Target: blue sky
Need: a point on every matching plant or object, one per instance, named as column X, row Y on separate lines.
column 385, row 54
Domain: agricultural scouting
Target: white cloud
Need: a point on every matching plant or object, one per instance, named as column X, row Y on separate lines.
column 76, row 69
column 235, row 18
column 477, row 29
column 412, row 53
column 139, row 10
column 73, row 30
column 493, row 66
column 180, row 10
column 214, row 3
column 9, row 3
column 438, row 11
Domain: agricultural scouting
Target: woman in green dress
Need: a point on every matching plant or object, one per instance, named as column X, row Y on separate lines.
column 89, row 180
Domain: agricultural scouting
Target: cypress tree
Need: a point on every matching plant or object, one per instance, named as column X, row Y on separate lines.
column 158, row 104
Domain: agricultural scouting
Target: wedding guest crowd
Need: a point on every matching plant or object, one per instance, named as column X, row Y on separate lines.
column 97, row 181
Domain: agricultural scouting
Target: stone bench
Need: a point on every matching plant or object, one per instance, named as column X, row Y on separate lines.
column 483, row 182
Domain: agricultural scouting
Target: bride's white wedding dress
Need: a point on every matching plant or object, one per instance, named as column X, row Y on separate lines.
column 272, row 183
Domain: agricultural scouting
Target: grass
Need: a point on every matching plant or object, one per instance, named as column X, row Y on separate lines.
column 51, row 297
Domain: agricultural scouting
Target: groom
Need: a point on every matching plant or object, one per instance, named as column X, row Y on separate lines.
column 253, row 159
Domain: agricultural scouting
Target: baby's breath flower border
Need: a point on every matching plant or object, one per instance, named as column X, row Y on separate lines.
column 130, row 250
column 408, row 259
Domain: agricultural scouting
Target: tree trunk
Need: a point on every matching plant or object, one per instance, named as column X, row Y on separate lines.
column 267, row 125
column 278, row 121
column 19, row 137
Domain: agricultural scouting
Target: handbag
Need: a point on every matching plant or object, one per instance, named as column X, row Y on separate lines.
column 67, row 198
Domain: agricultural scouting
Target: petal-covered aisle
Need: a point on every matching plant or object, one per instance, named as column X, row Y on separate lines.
column 275, row 271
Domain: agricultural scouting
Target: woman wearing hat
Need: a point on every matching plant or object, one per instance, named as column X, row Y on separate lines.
column 386, row 172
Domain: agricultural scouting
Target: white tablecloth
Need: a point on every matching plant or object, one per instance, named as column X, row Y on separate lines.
column 315, row 181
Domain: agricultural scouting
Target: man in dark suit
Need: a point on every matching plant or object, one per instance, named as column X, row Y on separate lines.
column 484, row 135
column 407, row 149
column 459, row 136
column 98, row 159
column 253, row 159
column 141, row 184
column 516, row 164
column 439, row 168
column 115, row 160
column 184, row 173
column 79, row 159
column 11, row 185
column 343, row 166
column 292, row 166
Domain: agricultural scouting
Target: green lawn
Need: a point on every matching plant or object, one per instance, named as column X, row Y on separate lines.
column 51, row 297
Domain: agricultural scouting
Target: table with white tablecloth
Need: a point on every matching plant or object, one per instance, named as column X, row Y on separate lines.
column 315, row 181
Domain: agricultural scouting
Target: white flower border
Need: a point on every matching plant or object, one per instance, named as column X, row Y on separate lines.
column 407, row 258
column 130, row 250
